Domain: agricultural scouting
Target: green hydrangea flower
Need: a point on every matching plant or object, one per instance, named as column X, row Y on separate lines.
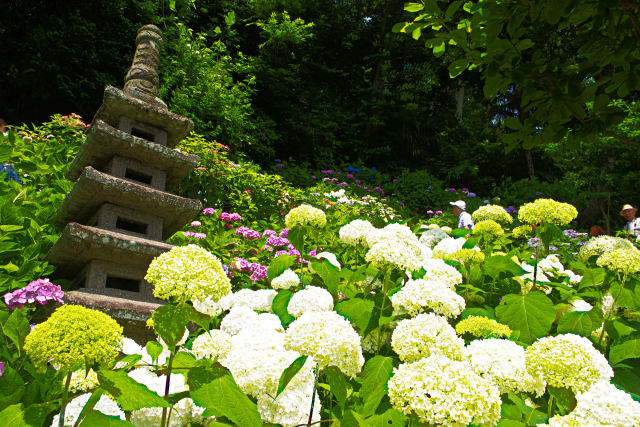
column 547, row 210
column 602, row 244
column 482, row 327
column 467, row 256
column 305, row 215
column 492, row 212
column 75, row 336
column 621, row 260
column 488, row 227
column 522, row 231
column 188, row 273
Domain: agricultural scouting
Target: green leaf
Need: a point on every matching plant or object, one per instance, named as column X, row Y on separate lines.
column 129, row 360
column 438, row 49
column 154, row 349
column 376, row 374
column 279, row 264
column 565, row 399
column 500, row 265
column 8, row 227
column 413, row 7
column 12, row 387
column 531, row 314
column 223, row 396
column 129, row 394
column 627, row 297
column 548, row 232
column 389, row 418
column 182, row 362
column 628, row 348
column 18, row 416
column 16, row 328
column 337, row 383
column 279, row 307
column 627, row 377
column 91, row 403
column 506, row 422
column 580, row 322
column 358, row 311
column 296, row 238
column 619, row 328
column 329, row 273
column 452, row 9
column 512, row 123
column 289, row 373
column 457, row 67
column 170, row 321
column 98, row 419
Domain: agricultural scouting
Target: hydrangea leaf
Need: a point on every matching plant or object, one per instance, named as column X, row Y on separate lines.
column 390, row 418
column 629, row 348
column 498, row 265
column 565, row 399
column 279, row 264
column 580, row 322
column 98, row 419
column 358, row 311
column 154, row 349
column 224, row 397
column 16, row 328
column 279, row 306
column 289, row 373
column 376, row 374
column 130, row 394
column 337, row 383
column 329, row 273
column 169, row 321
column 11, row 387
column 182, row 362
column 531, row 314
column 296, row 237
column 91, row 403
column 19, row 416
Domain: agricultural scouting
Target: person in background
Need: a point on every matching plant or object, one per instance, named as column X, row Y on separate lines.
column 633, row 223
column 460, row 211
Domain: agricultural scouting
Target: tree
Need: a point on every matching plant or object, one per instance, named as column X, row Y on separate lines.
column 565, row 60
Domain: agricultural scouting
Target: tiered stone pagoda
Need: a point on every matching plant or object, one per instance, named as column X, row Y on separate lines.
column 118, row 212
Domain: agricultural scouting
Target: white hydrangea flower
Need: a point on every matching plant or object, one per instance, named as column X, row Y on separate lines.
column 581, row 305
column 607, row 305
column 157, row 383
column 446, row 229
column 444, row 392
column 439, row 271
column 503, row 363
column 403, row 254
column 259, row 300
column 426, row 334
column 81, row 380
column 288, row 279
column 392, row 231
column 327, row 337
column 208, row 306
column 551, row 264
column 239, row 318
column 291, row 407
column 212, row 344
column 332, row 258
column 418, row 295
column 601, row 244
column 354, row 233
column 603, row 405
column 448, row 246
column 106, row 405
column 311, row 298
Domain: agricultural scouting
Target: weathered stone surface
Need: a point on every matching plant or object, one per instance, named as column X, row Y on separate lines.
column 142, row 79
column 133, row 170
column 132, row 315
column 80, row 244
column 103, row 141
column 117, row 104
column 127, row 221
column 94, row 188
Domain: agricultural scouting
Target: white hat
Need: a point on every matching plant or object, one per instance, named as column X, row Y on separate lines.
column 460, row 204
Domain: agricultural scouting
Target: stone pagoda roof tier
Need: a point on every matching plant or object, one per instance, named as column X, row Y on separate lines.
column 95, row 188
column 104, row 141
column 80, row 244
column 117, row 104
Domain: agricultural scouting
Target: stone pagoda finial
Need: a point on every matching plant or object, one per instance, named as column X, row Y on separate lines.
column 142, row 80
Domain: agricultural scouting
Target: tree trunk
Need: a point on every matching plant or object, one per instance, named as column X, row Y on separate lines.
column 459, row 100
column 529, row 157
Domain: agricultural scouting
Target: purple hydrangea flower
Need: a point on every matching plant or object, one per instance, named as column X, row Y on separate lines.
column 40, row 291
column 277, row 241
column 284, row 232
column 438, row 212
column 471, row 194
column 231, row 217
column 1, row 368
column 269, row 233
column 260, row 273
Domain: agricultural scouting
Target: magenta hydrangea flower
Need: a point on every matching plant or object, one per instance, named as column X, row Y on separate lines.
column 40, row 291
column 269, row 233
column 260, row 273
column 438, row 212
column 1, row 368
column 277, row 241
column 230, row 217
column 195, row 235
column 429, row 212
column 208, row 211
column 284, row 232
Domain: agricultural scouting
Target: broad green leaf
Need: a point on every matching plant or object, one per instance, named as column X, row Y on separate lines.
column 628, row 378
column 329, row 273
column 452, row 9
column 353, row 419
column 628, row 348
column 619, row 329
column 91, row 403
column 16, row 328
column 19, row 416
column 512, row 123
column 477, row 311
column 580, row 322
column 12, row 387
column 457, row 67
column 501, row 265
column 225, row 398
column 279, row 306
column 389, row 418
column 628, row 298
column 548, row 232
column 170, row 321
column 531, row 314
column 358, row 311
column 338, row 384
column 154, row 349
column 129, row 394
column 507, row 422
column 98, row 419
column 182, row 362
column 128, row 361
column 289, row 373
column 9, row 227
column 565, row 399
column 438, row 49
column 413, row 7
column 376, row 374
column 510, row 411
column 296, row 238
column 279, row 264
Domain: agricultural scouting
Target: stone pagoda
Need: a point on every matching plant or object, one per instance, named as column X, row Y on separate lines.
column 119, row 210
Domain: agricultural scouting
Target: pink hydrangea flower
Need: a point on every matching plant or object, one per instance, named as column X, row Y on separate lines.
column 208, row 211
column 196, row 223
column 40, row 291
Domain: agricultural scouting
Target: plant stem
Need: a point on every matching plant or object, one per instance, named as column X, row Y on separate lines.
column 313, row 394
column 615, row 300
column 165, row 419
column 65, row 397
column 550, row 409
